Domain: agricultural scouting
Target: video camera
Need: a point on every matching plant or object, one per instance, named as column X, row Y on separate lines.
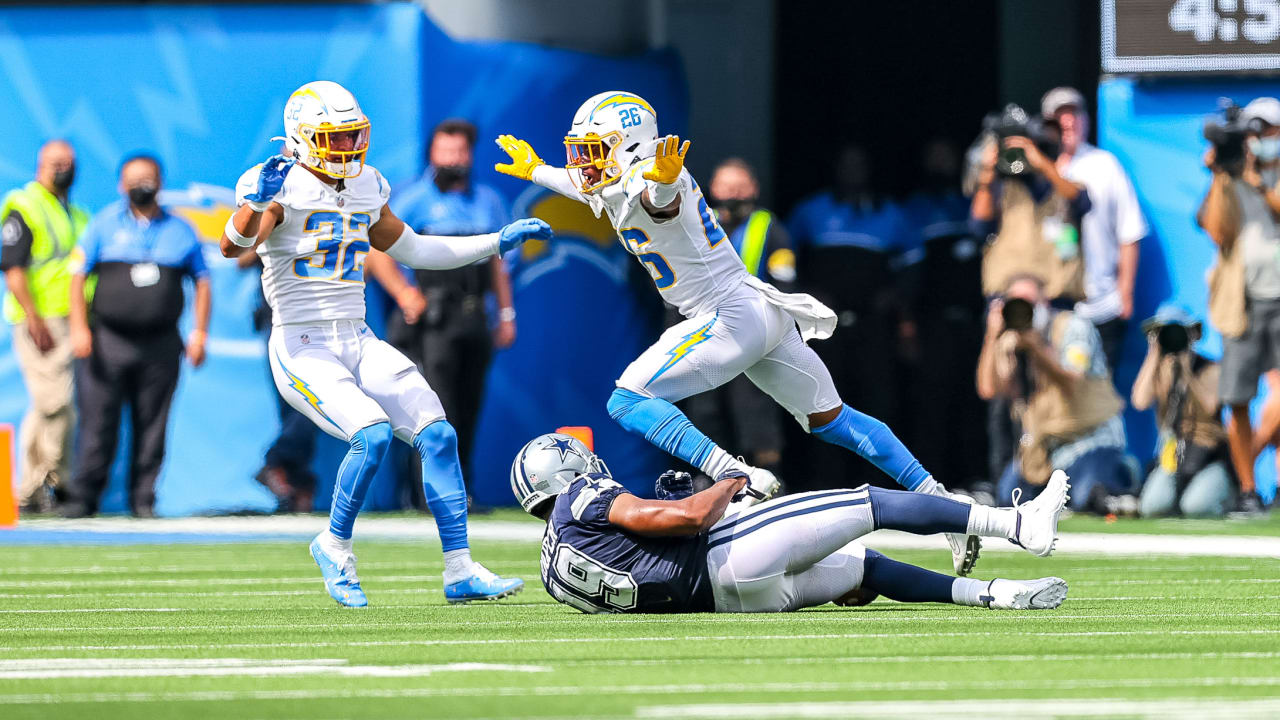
column 1227, row 137
column 1172, row 339
column 1013, row 121
column 1018, row 314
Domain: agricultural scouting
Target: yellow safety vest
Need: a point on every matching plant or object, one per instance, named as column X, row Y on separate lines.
column 753, row 239
column 54, row 231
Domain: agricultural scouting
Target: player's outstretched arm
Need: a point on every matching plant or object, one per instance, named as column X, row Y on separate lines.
column 433, row 252
column 526, row 165
column 678, row 518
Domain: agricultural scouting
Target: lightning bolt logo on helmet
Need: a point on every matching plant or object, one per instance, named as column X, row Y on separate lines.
column 326, row 130
column 610, row 132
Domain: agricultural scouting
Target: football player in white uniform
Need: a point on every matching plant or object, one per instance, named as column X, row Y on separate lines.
column 313, row 214
column 735, row 322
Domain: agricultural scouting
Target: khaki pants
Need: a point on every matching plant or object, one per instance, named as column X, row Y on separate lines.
column 44, row 441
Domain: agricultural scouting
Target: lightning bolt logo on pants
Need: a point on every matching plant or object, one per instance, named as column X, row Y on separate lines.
column 684, row 347
column 304, row 390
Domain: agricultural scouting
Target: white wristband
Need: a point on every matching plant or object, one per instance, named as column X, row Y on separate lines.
column 663, row 194
column 234, row 235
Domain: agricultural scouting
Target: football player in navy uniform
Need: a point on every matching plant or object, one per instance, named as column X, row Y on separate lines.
column 721, row 550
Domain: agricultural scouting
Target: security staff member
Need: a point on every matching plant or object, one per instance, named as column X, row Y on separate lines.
column 443, row 325
column 39, row 229
column 127, row 342
column 738, row 414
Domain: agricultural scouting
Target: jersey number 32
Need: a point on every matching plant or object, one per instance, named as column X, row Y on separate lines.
column 341, row 246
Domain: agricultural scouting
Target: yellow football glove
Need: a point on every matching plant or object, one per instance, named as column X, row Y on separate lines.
column 523, row 158
column 668, row 163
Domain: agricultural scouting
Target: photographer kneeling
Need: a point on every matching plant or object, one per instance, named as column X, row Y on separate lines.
column 1191, row 472
column 1244, row 285
column 1051, row 366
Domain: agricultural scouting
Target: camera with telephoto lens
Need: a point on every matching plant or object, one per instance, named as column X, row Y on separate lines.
column 1013, row 121
column 1227, row 136
column 1172, row 339
column 1018, row 314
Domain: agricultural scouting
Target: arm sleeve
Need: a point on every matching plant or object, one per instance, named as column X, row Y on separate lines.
column 15, row 242
column 557, row 179
column 432, row 252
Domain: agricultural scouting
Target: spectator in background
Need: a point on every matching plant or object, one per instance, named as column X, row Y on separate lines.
column 127, row 342
column 942, row 278
column 443, row 325
column 286, row 467
column 1067, row 413
column 1191, row 475
column 38, row 229
column 1030, row 217
column 738, row 414
column 1244, row 289
column 847, row 239
column 1109, row 231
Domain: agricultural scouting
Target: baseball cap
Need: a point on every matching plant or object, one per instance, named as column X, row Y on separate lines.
column 1266, row 109
column 1171, row 314
column 1060, row 97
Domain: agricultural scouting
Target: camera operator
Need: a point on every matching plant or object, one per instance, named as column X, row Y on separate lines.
column 1030, row 213
column 1050, row 365
column 1110, row 231
column 1261, row 118
column 1244, row 284
column 1191, row 474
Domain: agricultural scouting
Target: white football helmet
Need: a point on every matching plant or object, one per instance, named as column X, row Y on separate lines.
column 611, row 131
column 547, row 465
column 325, row 129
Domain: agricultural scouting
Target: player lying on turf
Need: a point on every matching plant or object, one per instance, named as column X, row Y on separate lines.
column 735, row 322
column 315, row 225
column 606, row 550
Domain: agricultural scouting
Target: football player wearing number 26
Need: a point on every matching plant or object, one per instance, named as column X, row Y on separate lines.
column 314, row 213
column 735, row 322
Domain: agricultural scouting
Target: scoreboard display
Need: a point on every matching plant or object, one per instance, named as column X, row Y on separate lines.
column 1195, row 36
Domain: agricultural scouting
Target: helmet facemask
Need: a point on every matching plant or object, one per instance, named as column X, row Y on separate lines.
column 596, row 151
column 337, row 151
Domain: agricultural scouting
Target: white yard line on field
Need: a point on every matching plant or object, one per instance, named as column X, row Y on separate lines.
column 62, row 668
column 673, row 689
column 420, row 529
column 739, row 639
column 1225, row 708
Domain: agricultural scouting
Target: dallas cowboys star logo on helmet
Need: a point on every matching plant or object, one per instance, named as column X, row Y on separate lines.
column 565, row 447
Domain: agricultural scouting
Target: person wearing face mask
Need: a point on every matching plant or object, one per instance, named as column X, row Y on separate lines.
column 1050, row 365
column 1109, row 231
column 127, row 343
column 38, row 229
column 444, row 322
column 739, row 414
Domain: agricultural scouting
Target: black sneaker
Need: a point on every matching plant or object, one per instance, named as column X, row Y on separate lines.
column 1249, row 505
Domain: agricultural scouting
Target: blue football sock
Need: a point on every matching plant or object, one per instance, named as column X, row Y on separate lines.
column 917, row 513
column 662, row 424
column 873, row 440
column 904, row 583
column 368, row 446
column 442, row 484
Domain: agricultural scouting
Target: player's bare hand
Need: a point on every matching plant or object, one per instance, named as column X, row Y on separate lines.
column 669, row 161
column 523, row 157
column 504, row 336
column 412, row 304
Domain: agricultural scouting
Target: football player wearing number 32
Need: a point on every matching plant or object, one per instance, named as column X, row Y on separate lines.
column 735, row 322
column 314, row 213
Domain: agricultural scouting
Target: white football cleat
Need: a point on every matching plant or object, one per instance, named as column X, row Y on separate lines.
column 1037, row 523
column 964, row 548
column 1042, row 594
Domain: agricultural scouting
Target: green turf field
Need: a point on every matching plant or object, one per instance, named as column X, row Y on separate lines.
column 246, row 631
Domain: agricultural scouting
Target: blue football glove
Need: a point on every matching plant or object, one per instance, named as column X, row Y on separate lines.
column 513, row 235
column 674, row 485
column 270, row 180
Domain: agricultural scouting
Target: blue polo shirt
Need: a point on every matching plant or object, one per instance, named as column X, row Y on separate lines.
column 116, row 235
column 424, row 207
column 822, row 221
